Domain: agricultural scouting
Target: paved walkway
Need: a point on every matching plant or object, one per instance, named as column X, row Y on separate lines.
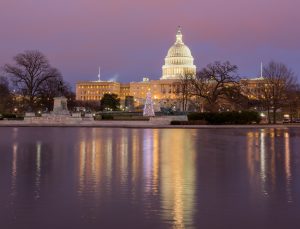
column 136, row 124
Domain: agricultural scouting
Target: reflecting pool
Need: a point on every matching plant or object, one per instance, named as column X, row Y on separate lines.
column 149, row 178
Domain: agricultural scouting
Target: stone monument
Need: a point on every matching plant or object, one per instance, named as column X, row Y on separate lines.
column 60, row 106
column 29, row 113
column 60, row 113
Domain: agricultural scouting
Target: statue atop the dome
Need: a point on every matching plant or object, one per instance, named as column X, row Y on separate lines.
column 179, row 36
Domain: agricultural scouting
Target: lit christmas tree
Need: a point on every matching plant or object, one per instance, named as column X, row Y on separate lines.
column 148, row 108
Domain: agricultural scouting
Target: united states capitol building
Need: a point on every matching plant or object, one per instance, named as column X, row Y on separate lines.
column 178, row 62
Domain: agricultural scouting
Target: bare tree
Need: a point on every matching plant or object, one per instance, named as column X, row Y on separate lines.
column 278, row 81
column 292, row 104
column 182, row 90
column 215, row 83
column 5, row 95
column 253, row 91
column 70, row 95
column 235, row 97
column 30, row 71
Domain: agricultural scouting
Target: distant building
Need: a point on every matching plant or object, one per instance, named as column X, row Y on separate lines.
column 94, row 90
column 253, row 87
column 178, row 62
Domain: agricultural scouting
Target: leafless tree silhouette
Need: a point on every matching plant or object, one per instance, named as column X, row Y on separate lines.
column 29, row 72
column 215, row 83
column 279, row 80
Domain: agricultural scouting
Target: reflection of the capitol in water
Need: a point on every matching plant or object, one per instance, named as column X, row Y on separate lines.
column 162, row 162
column 149, row 178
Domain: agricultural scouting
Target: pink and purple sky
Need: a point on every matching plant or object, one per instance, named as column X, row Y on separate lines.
column 130, row 38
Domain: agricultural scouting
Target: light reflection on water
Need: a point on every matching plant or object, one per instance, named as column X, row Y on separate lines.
column 148, row 178
column 178, row 176
column 269, row 148
column 173, row 182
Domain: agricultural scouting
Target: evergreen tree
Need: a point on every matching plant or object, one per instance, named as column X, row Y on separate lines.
column 148, row 108
column 110, row 102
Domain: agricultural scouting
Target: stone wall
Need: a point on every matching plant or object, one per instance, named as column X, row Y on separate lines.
column 165, row 120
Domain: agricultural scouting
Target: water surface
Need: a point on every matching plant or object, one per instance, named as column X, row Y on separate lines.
column 149, row 178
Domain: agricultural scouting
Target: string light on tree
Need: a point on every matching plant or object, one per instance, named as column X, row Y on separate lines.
column 148, row 108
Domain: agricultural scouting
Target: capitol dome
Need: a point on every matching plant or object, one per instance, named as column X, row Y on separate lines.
column 179, row 60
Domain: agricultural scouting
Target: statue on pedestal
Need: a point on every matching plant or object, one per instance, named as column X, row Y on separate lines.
column 60, row 106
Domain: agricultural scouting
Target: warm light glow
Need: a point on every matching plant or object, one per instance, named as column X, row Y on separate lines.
column 38, row 171
column 287, row 160
column 180, row 168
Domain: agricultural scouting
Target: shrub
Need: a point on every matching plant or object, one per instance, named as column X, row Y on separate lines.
column 98, row 117
column 195, row 122
column 9, row 116
column 120, row 116
column 197, row 116
column 130, row 118
column 107, row 117
column 243, row 117
column 175, row 122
